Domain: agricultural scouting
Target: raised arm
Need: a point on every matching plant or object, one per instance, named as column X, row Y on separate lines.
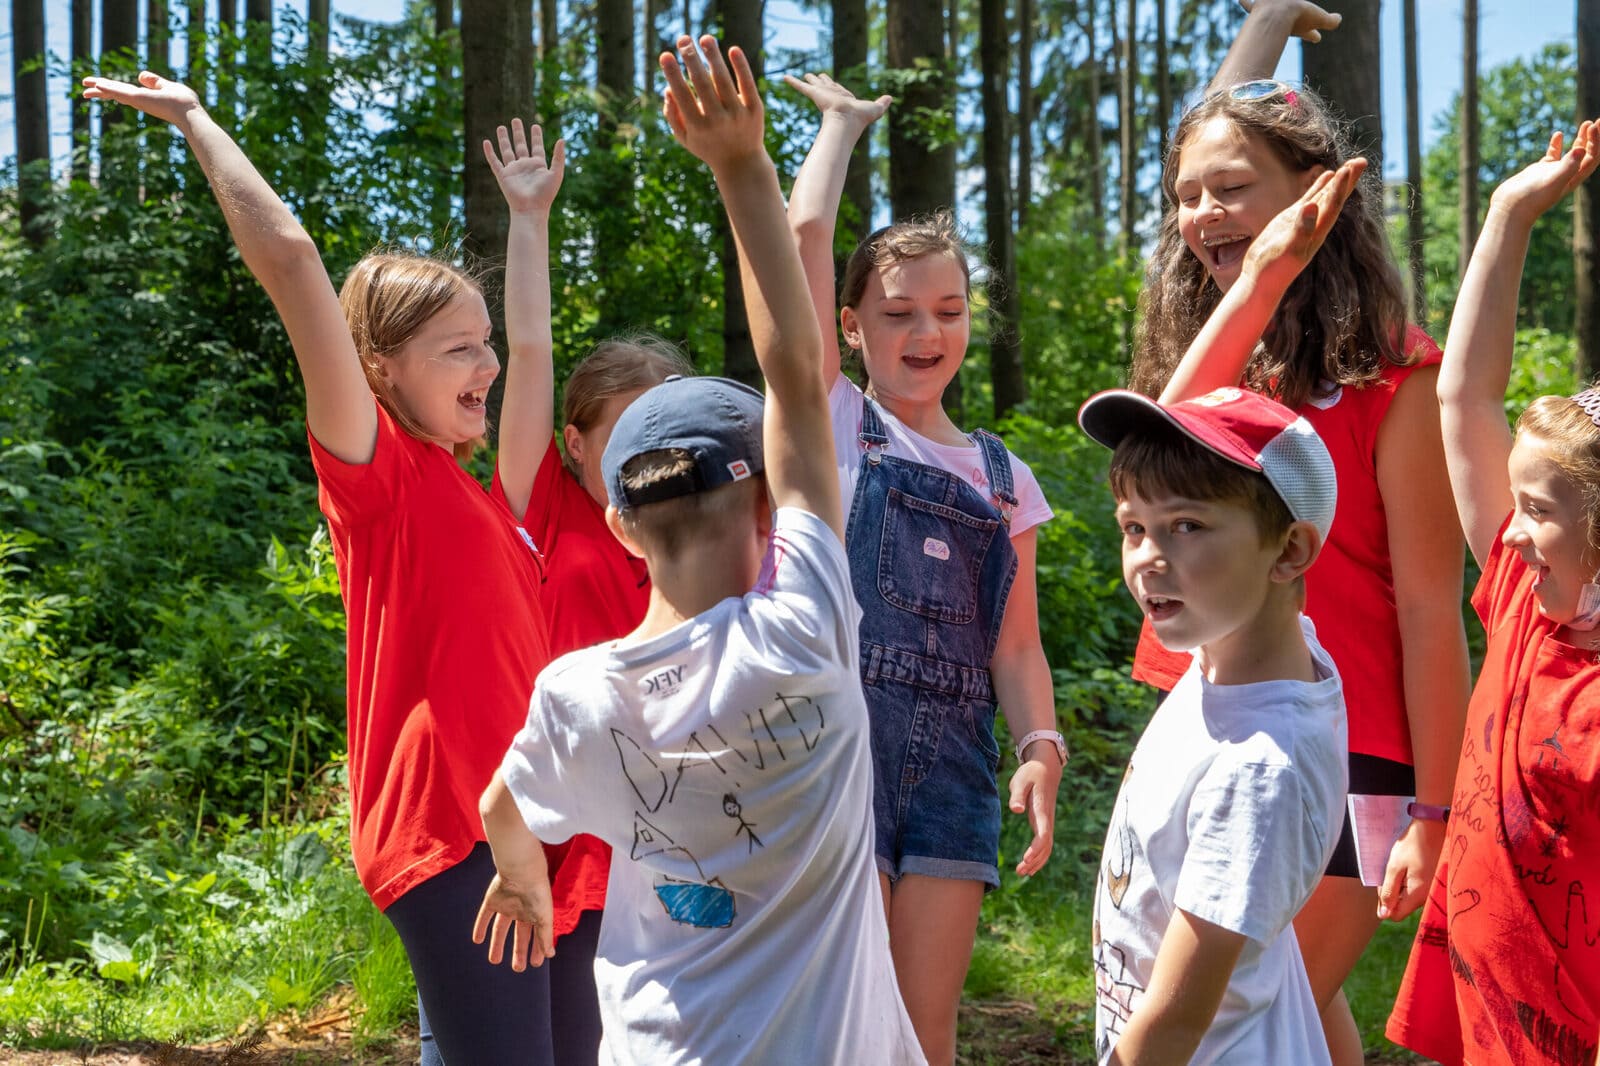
column 721, row 121
column 1268, row 25
column 1479, row 348
column 1220, row 351
column 527, row 413
column 339, row 406
column 818, row 189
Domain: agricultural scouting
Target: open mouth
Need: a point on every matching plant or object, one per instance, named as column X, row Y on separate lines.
column 1226, row 250
column 473, row 401
column 1541, row 574
column 1160, row 608
column 924, row 361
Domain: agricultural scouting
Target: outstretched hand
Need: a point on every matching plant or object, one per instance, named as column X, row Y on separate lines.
column 1309, row 19
column 528, row 183
column 1540, row 186
column 714, row 112
column 1033, row 792
column 1281, row 251
column 524, row 910
column 157, row 97
column 832, row 98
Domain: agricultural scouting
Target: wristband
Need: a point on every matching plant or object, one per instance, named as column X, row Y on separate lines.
column 1428, row 812
column 1043, row 734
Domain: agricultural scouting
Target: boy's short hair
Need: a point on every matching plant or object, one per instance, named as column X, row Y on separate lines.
column 686, row 453
column 1244, row 430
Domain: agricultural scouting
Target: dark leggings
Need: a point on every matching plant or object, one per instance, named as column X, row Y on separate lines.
column 471, row 1012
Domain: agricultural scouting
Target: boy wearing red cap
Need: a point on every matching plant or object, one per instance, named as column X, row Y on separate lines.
column 1231, row 803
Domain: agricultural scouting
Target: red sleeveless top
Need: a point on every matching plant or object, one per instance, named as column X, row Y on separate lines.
column 1350, row 588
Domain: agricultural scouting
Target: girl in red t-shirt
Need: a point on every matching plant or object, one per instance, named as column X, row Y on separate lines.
column 1506, row 964
column 445, row 630
column 1384, row 593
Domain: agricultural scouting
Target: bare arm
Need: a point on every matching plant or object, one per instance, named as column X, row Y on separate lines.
column 518, row 900
column 1266, row 30
column 721, row 121
column 818, row 189
column 1426, row 553
column 1221, row 350
column 1186, row 987
column 527, row 413
column 1479, row 349
column 339, row 407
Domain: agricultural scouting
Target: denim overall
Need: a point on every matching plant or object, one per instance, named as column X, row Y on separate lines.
column 931, row 563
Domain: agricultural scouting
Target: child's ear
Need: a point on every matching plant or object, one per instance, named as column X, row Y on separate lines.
column 574, row 442
column 850, row 326
column 1309, row 178
column 1301, row 546
column 614, row 523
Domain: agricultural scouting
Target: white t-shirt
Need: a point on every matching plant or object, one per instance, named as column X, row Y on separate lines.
column 726, row 762
column 964, row 461
column 1229, row 810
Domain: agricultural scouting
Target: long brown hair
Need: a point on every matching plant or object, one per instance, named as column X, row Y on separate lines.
column 1342, row 320
column 387, row 297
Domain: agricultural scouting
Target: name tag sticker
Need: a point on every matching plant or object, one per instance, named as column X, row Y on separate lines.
column 935, row 548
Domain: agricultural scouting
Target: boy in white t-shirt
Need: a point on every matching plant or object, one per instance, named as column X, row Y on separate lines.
column 721, row 748
column 1232, row 800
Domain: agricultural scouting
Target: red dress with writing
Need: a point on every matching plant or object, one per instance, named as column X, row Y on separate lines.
column 1506, row 964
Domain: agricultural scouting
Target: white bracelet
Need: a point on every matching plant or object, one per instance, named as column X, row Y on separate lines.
column 1043, row 734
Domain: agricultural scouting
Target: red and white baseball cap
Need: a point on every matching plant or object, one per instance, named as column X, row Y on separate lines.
column 1241, row 426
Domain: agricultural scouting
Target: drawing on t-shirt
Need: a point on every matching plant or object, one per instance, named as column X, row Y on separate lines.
column 641, row 770
column 732, row 808
column 707, row 906
column 1114, row 989
column 1118, row 880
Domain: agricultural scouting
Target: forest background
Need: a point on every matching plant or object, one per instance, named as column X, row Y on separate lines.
column 174, row 861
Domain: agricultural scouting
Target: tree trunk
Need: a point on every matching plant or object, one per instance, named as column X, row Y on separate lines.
column 741, row 25
column 497, row 82
column 1128, row 177
column 1586, row 225
column 195, row 43
column 320, row 17
column 850, row 68
column 650, row 49
column 1344, row 69
column 1005, row 349
column 119, row 42
column 1414, row 256
column 1097, row 148
column 1469, row 131
column 614, row 228
column 1163, row 80
column 444, row 15
column 81, row 17
column 33, row 117
column 1025, row 111
column 228, row 32
column 922, row 161
column 549, row 65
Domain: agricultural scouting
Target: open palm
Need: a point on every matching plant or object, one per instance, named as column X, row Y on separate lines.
column 830, row 96
column 156, row 96
column 1541, row 185
column 527, row 181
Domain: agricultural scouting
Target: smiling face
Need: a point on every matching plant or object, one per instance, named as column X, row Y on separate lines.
column 911, row 326
column 1549, row 528
column 441, row 376
column 1228, row 186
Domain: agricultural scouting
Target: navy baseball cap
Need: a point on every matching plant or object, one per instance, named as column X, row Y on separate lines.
column 715, row 421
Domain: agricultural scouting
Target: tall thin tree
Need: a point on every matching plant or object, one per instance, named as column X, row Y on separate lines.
column 1097, row 148
column 119, row 43
column 1005, row 347
column 1128, row 176
column 444, row 16
column 742, row 25
column 616, row 97
column 922, row 157
column 1414, row 256
column 1344, row 68
column 32, row 117
column 1586, row 225
column 549, row 65
column 81, row 16
column 1027, row 111
column 1470, row 124
column 157, row 37
column 1163, row 81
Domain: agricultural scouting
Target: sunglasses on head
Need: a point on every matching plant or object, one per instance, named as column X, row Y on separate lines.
column 1265, row 89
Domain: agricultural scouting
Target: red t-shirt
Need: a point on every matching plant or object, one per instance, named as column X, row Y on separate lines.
column 1350, row 588
column 1506, row 964
column 445, row 639
column 594, row 591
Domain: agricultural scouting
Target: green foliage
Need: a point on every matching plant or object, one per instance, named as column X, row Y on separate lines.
column 1521, row 103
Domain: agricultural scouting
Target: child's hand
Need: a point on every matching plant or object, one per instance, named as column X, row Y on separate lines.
column 157, row 97
column 1281, row 251
column 1537, row 188
column 1412, row 863
column 527, row 182
column 1033, row 790
column 832, row 98
column 1309, row 19
column 524, row 909
column 720, row 119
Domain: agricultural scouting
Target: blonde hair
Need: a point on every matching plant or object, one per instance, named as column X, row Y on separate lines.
column 618, row 366
column 935, row 234
column 1573, row 441
column 387, row 298
column 663, row 527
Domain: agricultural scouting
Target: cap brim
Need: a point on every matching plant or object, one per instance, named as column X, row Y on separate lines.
column 1108, row 417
